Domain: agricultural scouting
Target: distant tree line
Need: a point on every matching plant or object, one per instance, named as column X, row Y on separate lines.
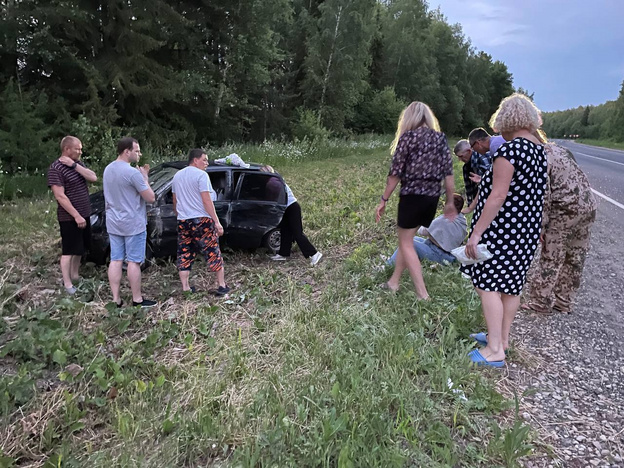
column 176, row 73
column 602, row 122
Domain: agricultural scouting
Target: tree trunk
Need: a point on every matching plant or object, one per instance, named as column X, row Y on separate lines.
column 329, row 63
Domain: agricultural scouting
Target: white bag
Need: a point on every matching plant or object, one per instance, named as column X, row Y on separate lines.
column 482, row 254
column 233, row 160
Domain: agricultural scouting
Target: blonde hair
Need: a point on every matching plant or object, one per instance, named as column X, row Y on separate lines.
column 416, row 115
column 267, row 168
column 516, row 112
column 541, row 136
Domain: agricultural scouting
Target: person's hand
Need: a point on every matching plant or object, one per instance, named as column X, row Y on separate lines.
column 466, row 210
column 450, row 212
column 471, row 245
column 144, row 170
column 476, row 178
column 379, row 211
column 219, row 229
column 67, row 161
column 80, row 221
column 542, row 237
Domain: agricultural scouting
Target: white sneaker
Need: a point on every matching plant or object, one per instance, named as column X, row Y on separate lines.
column 279, row 258
column 314, row 259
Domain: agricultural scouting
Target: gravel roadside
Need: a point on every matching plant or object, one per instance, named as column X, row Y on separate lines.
column 570, row 368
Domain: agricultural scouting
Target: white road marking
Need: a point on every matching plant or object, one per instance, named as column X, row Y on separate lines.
column 610, row 200
column 602, row 159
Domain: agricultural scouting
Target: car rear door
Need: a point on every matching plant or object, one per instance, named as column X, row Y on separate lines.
column 257, row 207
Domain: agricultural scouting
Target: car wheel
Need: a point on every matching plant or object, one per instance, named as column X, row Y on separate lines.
column 273, row 240
column 149, row 257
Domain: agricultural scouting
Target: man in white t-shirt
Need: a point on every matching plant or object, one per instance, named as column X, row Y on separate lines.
column 198, row 224
column 126, row 190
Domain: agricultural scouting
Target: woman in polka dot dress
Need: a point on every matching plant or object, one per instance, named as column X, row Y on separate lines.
column 508, row 220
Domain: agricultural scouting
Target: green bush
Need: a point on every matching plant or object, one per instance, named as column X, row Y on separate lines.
column 308, row 127
column 378, row 112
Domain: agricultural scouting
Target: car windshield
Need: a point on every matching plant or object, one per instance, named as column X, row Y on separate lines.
column 159, row 177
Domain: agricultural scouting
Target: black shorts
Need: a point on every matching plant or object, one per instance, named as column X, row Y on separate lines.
column 75, row 241
column 416, row 210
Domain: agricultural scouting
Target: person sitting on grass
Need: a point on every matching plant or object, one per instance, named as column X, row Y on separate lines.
column 442, row 236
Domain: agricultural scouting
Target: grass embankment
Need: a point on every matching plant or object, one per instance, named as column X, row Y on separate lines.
column 602, row 143
column 300, row 366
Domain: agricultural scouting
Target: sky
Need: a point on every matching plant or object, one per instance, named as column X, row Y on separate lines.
column 569, row 53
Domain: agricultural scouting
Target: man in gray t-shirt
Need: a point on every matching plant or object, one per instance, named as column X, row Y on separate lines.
column 198, row 224
column 126, row 190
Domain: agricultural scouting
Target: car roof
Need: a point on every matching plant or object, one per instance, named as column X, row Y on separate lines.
column 212, row 165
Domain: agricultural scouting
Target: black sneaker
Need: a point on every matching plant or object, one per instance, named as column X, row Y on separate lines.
column 119, row 304
column 223, row 290
column 144, row 303
column 191, row 291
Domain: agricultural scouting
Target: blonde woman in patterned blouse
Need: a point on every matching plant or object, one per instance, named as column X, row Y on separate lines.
column 421, row 160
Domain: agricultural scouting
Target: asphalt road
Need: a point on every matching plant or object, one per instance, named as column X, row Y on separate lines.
column 605, row 171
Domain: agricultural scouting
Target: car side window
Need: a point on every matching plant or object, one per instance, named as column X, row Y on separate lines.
column 262, row 187
column 218, row 180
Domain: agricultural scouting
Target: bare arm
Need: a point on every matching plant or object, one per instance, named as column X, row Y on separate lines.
column 502, row 172
column 449, row 207
column 61, row 198
column 88, row 174
column 147, row 195
column 390, row 186
column 210, row 209
column 472, row 205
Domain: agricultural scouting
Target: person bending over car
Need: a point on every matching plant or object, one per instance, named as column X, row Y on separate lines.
column 291, row 228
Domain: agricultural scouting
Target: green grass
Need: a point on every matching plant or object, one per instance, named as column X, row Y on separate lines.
column 603, row 143
column 300, row 366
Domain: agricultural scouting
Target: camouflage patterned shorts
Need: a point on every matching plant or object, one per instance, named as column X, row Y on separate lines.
column 198, row 235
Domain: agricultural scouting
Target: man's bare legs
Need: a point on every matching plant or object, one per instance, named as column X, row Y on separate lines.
column 114, row 278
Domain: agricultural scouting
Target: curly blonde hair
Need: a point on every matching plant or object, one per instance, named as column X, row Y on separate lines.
column 417, row 114
column 516, row 112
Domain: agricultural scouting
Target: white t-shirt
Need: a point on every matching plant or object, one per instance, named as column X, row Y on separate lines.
column 188, row 184
column 291, row 198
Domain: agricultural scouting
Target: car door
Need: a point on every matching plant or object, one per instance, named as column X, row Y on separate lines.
column 222, row 185
column 257, row 207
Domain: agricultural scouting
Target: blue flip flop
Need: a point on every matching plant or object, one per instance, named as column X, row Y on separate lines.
column 480, row 338
column 477, row 358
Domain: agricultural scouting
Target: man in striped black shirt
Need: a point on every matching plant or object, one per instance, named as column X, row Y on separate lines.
column 68, row 177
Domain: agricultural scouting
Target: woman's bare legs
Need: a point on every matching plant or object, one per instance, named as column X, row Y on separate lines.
column 408, row 258
column 494, row 313
column 510, row 308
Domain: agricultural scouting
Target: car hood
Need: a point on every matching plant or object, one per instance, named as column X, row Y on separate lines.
column 97, row 202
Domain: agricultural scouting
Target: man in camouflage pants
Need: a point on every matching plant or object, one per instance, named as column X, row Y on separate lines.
column 569, row 212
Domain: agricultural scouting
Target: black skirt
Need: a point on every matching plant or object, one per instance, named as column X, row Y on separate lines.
column 416, row 210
